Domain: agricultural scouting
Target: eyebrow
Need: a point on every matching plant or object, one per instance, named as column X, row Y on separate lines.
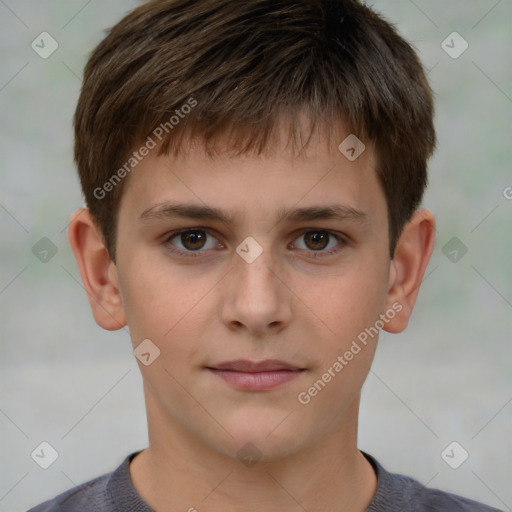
column 168, row 210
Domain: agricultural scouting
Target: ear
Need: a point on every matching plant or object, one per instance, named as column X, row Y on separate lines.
column 99, row 273
column 408, row 266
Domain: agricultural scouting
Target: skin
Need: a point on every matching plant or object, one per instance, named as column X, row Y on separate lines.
column 287, row 304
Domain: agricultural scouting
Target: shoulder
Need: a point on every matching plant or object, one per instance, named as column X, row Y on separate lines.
column 397, row 492
column 90, row 496
column 106, row 493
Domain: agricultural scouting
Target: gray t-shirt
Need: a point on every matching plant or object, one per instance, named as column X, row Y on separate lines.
column 115, row 492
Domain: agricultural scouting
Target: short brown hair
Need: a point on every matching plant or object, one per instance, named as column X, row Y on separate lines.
column 247, row 65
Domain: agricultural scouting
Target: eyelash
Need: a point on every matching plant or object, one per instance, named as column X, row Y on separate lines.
column 342, row 241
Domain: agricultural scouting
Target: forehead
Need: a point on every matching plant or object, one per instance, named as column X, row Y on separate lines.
column 325, row 172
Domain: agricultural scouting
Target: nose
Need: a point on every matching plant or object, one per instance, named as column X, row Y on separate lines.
column 256, row 297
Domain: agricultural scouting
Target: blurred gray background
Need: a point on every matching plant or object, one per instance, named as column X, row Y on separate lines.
column 66, row 381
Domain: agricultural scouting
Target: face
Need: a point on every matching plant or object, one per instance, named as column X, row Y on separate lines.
column 256, row 277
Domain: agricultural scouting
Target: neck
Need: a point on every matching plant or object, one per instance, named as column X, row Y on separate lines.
column 178, row 472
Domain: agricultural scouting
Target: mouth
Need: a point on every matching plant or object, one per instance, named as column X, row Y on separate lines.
column 256, row 375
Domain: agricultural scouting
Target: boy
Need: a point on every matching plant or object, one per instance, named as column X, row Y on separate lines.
column 253, row 171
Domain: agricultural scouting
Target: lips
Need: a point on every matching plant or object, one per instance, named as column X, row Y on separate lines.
column 256, row 375
column 246, row 366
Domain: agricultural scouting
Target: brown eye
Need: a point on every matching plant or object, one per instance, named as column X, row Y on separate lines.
column 319, row 242
column 193, row 240
column 316, row 240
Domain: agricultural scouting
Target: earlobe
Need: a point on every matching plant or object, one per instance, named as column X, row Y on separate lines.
column 408, row 266
column 99, row 273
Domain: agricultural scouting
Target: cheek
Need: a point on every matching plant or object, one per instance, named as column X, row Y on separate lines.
column 346, row 303
column 351, row 309
column 168, row 306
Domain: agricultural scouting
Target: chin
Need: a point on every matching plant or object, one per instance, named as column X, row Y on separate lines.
column 267, row 438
